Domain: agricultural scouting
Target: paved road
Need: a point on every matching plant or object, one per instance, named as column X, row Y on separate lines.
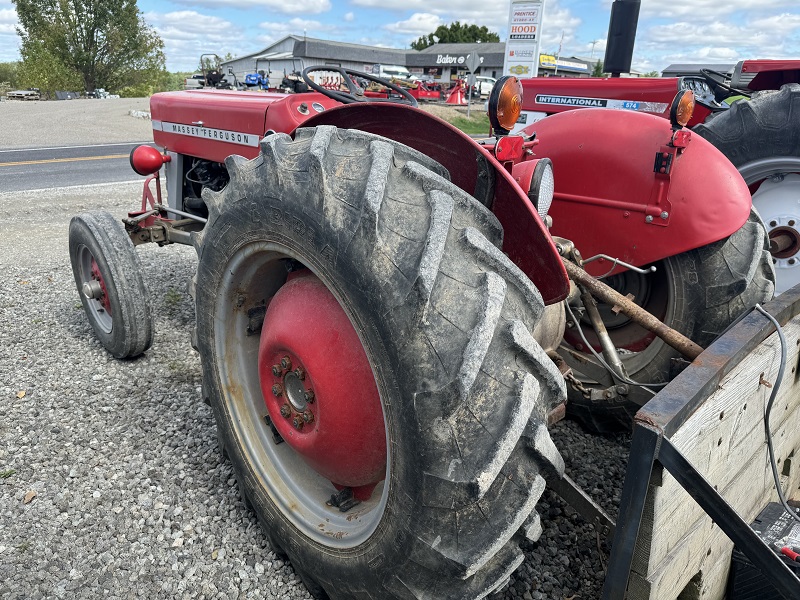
column 64, row 166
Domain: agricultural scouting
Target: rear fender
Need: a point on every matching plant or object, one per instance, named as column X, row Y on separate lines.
column 609, row 199
column 476, row 171
column 758, row 75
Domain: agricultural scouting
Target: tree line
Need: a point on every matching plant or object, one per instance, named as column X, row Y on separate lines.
column 78, row 45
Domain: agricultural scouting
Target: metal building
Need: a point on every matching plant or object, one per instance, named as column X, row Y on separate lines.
column 294, row 53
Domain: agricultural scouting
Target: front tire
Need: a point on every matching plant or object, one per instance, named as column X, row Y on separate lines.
column 108, row 276
column 698, row 293
column 444, row 319
column 761, row 137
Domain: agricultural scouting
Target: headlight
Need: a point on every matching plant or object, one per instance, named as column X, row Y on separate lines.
column 543, row 186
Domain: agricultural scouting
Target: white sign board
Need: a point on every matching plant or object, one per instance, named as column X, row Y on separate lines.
column 524, row 34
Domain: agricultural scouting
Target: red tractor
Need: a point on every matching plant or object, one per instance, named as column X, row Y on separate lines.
column 381, row 308
column 751, row 114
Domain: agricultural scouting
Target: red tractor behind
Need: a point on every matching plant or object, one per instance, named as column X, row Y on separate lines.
column 751, row 114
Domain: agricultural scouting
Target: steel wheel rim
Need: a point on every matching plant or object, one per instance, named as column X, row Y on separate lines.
column 95, row 307
column 757, row 170
column 299, row 493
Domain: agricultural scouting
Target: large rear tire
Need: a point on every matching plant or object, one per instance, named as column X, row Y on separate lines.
column 698, row 293
column 761, row 137
column 444, row 320
column 108, row 276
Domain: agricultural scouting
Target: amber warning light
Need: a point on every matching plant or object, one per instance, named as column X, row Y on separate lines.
column 505, row 104
column 682, row 109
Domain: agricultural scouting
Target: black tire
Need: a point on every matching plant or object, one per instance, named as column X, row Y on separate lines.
column 444, row 318
column 751, row 130
column 698, row 293
column 120, row 311
column 761, row 137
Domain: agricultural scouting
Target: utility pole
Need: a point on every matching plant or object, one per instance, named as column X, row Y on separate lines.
column 558, row 54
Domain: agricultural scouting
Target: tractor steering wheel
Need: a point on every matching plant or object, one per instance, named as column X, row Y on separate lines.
column 355, row 93
column 710, row 75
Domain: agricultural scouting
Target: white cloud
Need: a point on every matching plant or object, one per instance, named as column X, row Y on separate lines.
column 292, row 26
column 9, row 40
column 8, row 20
column 296, row 26
column 187, row 34
column 416, row 25
column 557, row 20
column 311, row 7
column 703, row 10
column 349, row 17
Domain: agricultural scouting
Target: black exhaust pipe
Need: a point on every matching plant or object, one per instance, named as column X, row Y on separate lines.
column 621, row 36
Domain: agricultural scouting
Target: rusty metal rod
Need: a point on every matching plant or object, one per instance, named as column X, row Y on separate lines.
column 610, row 296
column 606, row 345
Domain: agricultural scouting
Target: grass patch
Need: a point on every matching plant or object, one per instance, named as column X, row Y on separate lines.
column 478, row 122
column 7, row 473
column 172, row 299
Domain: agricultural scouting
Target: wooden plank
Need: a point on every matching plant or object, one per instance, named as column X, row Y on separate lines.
column 721, row 448
column 725, row 442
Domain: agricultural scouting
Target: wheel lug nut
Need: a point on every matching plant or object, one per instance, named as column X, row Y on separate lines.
column 300, row 372
column 308, row 416
column 277, row 390
column 286, row 411
column 297, row 422
column 309, row 396
column 286, row 363
column 276, row 370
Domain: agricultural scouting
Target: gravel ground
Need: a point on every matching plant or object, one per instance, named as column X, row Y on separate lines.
column 111, row 483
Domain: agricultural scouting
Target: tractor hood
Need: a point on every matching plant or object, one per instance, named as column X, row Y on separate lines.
column 214, row 124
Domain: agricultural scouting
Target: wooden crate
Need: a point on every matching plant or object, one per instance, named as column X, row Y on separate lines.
column 680, row 552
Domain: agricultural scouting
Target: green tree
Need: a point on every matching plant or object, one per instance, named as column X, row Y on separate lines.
column 8, row 73
column 456, row 33
column 69, row 44
column 598, row 69
column 652, row 74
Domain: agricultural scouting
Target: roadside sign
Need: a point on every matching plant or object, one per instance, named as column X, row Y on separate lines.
column 524, row 33
column 473, row 62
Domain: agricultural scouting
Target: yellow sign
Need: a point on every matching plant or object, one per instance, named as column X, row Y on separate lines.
column 547, row 60
column 519, row 70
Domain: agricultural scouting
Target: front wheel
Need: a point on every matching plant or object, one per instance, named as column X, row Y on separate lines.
column 108, row 276
column 698, row 293
column 761, row 137
column 367, row 354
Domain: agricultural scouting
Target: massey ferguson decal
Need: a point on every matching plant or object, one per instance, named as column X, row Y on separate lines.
column 208, row 133
column 583, row 102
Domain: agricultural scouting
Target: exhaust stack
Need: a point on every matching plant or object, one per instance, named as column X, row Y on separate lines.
column 621, row 36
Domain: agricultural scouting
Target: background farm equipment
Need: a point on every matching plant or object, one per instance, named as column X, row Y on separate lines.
column 752, row 115
column 381, row 308
column 212, row 76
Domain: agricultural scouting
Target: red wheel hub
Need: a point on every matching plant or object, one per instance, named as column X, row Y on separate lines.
column 98, row 277
column 318, row 385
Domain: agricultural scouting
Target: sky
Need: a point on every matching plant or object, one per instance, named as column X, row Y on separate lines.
column 670, row 31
